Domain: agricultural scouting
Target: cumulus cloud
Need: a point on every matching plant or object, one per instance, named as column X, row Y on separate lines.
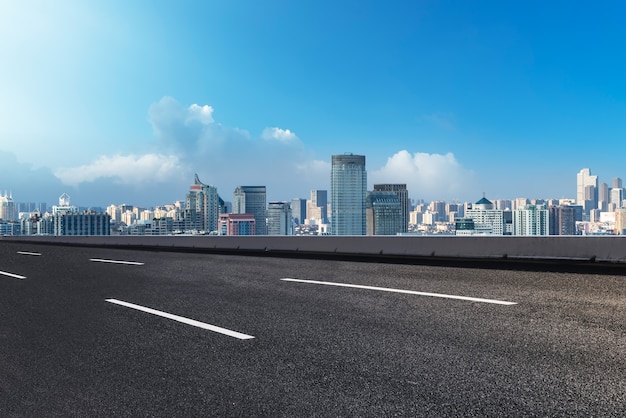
column 281, row 135
column 428, row 176
column 124, row 169
column 188, row 140
column 202, row 114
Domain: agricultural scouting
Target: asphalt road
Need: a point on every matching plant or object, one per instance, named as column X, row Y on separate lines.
column 76, row 339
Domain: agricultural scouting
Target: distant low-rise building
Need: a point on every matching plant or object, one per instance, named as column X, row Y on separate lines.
column 487, row 221
column 237, row 224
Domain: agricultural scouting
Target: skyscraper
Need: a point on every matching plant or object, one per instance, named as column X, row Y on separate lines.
column 279, row 219
column 251, row 199
column 202, row 210
column 583, row 179
column 403, row 194
column 348, row 182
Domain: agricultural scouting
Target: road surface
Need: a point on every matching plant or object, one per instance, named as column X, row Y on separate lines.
column 106, row 332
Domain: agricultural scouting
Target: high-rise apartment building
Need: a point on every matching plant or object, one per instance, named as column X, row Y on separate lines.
column 202, row 209
column 403, row 195
column 7, row 207
column 252, row 200
column 348, row 182
column 384, row 214
column 562, row 220
column 531, row 220
column 438, row 209
column 279, row 219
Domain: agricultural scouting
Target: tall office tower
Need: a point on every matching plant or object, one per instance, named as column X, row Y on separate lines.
column 348, row 182
column 7, row 207
column 403, row 194
column 298, row 210
column 202, row 209
column 487, row 221
column 251, row 199
column 584, row 179
column 384, row 214
column 603, row 197
column 617, row 196
column 531, row 220
column 617, row 183
column 319, row 199
column 279, row 219
column 562, row 220
column 591, row 200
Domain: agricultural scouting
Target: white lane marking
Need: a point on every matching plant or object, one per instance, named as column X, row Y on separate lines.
column 410, row 292
column 183, row 320
column 27, row 253
column 132, row 263
column 15, row 276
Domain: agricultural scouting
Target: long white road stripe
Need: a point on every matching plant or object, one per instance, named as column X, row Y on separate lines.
column 15, row 276
column 132, row 263
column 410, row 292
column 183, row 320
column 27, row 253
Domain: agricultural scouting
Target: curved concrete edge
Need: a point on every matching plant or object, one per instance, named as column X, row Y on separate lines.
column 607, row 249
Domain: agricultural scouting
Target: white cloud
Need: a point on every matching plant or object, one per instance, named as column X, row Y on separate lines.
column 281, row 135
column 202, row 114
column 428, row 176
column 124, row 169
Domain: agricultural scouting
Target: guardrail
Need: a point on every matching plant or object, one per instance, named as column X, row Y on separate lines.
column 596, row 249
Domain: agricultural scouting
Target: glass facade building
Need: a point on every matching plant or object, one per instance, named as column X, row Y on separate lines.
column 384, row 214
column 252, row 200
column 348, row 182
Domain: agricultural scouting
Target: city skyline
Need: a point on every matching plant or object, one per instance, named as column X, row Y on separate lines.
column 117, row 102
column 615, row 185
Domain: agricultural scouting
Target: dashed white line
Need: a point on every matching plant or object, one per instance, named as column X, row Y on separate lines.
column 410, row 292
column 15, row 276
column 182, row 319
column 132, row 263
column 27, row 253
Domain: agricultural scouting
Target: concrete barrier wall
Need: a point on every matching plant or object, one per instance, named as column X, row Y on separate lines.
column 595, row 248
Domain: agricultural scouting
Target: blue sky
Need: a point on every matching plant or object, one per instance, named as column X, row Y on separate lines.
column 121, row 102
